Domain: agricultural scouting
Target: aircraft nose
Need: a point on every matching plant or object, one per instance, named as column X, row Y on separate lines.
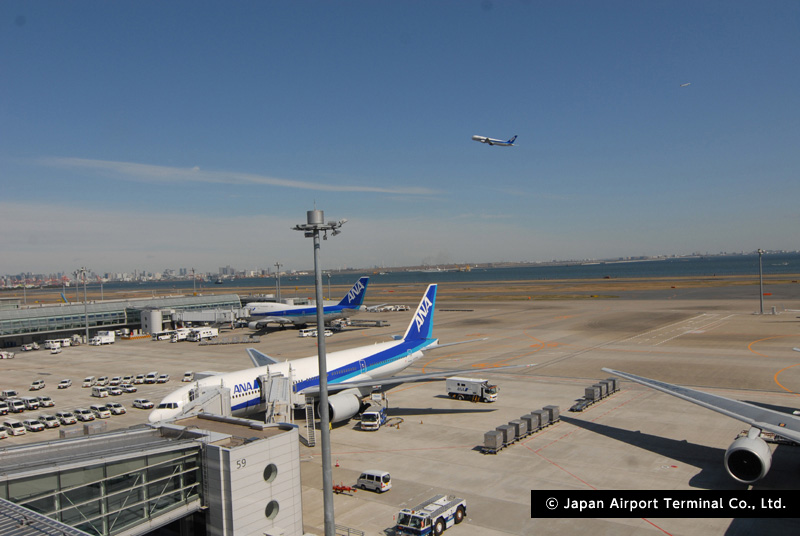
column 155, row 416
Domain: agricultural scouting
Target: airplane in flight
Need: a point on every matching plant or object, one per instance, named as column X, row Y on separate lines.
column 352, row 374
column 492, row 141
column 749, row 458
column 261, row 313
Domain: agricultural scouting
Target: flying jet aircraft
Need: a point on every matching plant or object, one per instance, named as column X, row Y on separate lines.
column 749, row 458
column 352, row 374
column 492, row 141
column 261, row 313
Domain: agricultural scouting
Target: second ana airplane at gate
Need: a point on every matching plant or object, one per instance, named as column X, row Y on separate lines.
column 352, row 374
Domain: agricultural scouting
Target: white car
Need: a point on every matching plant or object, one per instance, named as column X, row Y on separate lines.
column 116, row 408
column 3, row 433
column 129, row 388
column 49, row 421
column 115, row 391
column 100, row 411
column 66, row 417
column 142, row 403
column 102, row 381
column 116, row 380
column 139, row 379
column 63, row 384
column 32, row 425
column 45, row 402
column 36, row 385
column 164, row 378
column 84, row 415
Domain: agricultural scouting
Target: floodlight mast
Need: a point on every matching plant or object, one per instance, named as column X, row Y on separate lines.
column 316, row 219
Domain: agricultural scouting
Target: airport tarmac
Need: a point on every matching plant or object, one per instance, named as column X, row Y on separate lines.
column 634, row 439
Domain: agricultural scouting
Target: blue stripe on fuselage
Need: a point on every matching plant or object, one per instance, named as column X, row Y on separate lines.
column 372, row 362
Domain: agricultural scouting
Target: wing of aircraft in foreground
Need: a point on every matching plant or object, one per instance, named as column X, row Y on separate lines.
column 749, row 458
column 492, row 141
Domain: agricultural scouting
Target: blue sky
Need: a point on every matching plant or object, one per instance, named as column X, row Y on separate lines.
column 157, row 135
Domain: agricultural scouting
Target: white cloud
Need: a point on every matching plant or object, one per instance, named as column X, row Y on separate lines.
column 167, row 174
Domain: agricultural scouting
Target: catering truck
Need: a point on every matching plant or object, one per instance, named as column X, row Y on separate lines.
column 199, row 334
column 102, row 337
column 473, row 389
column 431, row 517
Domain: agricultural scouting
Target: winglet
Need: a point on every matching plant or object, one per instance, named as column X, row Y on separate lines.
column 421, row 326
column 355, row 297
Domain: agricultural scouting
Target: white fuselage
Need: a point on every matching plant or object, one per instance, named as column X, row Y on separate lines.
column 381, row 360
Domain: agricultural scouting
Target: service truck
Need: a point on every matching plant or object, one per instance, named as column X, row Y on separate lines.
column 198, row 334
column 373, row 417
column 474, row 389
column 103, row 337
column 431, row 517
column 180, row 334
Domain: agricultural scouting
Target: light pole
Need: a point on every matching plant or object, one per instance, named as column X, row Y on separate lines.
column 278, row 280
column 761, row 280
column 82, row 272
column 316, row 223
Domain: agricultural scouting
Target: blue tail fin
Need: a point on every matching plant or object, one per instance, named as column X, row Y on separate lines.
column 512, row 139
column 421, row 326
column 355, row 297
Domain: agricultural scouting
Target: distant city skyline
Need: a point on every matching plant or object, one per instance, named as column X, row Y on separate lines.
column 183, row 273
column 206, row 132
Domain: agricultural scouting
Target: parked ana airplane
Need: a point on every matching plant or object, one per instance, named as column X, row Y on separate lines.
column 261, row 313
column 352, row 374
column 492, row 141
column 748, row 459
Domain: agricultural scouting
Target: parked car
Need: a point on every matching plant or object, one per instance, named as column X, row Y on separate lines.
column 115, row 391
column 129, row 388
column 139, row 379
column 33, row 425
column 100, row 411
column 49, row 421
column 31, row 402
column 126, row 379
column 45, row 402
column 15, row 405
column 142, row 403
column 66, row 417
column 102, row 381
column 163, row 378
column 188, row 376
column 116, row 380
column 14, row 427
column 29, row 347
column 3, row 408
column 36, row 385
column 63, row 384
column 3, row 433
column 116, row 408
column 84, row 415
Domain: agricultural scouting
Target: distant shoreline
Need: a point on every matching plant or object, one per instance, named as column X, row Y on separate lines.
column 380, row 291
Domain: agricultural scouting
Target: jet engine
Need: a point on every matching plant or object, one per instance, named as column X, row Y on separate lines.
column 343, row 406
column 748, row 458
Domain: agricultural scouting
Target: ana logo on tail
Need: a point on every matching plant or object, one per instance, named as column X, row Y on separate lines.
column 422, row 312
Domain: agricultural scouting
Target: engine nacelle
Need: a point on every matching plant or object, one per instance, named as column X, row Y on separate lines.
column 748, row 459
column 343, row 406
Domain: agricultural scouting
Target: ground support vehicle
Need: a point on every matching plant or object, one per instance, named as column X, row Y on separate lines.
column 373, row 417
column 471, row 389
column 103, row 337
column 431, row 517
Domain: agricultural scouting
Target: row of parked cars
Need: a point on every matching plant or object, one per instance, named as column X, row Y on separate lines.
column 11, row 402
column 61, row 418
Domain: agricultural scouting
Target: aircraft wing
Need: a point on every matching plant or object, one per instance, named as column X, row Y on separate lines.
column 782, row 424
column 260, row 359
column 412, row 378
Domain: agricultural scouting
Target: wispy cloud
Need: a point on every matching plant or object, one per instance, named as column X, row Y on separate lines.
column 166, row 174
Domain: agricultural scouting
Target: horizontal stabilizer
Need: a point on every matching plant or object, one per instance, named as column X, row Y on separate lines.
column 260, row 359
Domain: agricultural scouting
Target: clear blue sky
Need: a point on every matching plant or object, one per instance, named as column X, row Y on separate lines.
column 158, row 135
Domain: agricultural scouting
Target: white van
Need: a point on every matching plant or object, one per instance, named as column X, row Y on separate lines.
column 14, row 427
column 379, row 481
column 99, row 392
column 89, row 381
column 307, row 332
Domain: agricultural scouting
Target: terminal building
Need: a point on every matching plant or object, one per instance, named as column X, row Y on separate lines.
column 20, row 326
column 203, row 475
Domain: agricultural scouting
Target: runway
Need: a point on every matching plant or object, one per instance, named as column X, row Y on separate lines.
column 635, row 439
